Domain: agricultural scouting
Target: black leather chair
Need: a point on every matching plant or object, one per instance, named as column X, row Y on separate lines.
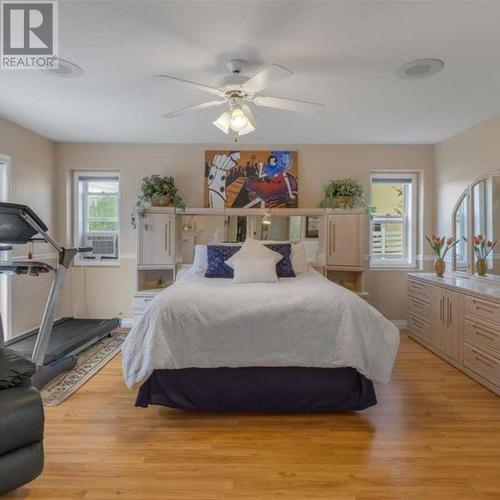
column 21, row 422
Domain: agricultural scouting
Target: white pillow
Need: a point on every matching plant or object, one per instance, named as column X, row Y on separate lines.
column 299, row 263
column 253, row 250
column 261, row 270
column 200, row 261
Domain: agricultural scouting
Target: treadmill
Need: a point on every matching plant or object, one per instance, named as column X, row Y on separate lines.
column 54, row 346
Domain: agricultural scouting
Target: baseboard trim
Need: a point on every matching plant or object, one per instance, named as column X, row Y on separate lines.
column 402, row 324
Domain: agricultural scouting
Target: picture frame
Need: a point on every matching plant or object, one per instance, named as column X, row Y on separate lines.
column 312, row 226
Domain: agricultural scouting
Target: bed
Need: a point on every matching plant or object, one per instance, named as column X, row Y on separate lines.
column 299, row 344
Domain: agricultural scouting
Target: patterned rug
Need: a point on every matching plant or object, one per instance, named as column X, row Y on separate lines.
column 89, row 362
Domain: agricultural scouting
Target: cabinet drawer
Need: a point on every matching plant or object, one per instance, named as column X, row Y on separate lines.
column 420, row 308
column 420, row 328
column 140, row 303
column 482, row 308
column 482, row 363
column 487, row 336
column 420, row 289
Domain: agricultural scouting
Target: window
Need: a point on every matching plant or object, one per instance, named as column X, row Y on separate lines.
column 393, row 232
column 97, row 216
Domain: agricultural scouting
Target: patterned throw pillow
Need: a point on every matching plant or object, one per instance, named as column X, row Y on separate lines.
column 284, row 268
column 217, row 255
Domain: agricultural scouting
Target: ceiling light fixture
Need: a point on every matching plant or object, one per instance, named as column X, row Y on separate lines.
column 237, row 91
column 239, row 119
column 420, row 68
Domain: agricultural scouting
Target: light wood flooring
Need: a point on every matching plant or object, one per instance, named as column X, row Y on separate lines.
column 434, row 434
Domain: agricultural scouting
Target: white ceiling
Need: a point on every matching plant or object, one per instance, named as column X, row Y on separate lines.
column 344, row 54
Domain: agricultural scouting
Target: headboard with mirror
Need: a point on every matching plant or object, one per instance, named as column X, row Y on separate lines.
column 477, row 215
column 204, row 229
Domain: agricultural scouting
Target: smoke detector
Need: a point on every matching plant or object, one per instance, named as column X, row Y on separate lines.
column 420, row 68
column 235, row 66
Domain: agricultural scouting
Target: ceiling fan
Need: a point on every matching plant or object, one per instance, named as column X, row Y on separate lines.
column 239, row 91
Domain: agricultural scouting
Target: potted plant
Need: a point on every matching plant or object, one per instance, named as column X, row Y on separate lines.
column 157, row 191
column 343, row 193
column 482, row 249
column 437, row 244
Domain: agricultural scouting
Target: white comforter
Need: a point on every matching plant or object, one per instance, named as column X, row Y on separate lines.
column 305, row 321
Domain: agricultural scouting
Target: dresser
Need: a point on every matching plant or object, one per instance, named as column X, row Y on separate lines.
column 458, row 318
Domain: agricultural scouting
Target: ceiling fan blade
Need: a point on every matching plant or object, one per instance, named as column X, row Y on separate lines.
column 199, row 86
column 190, row 109
column 267, row 77
column 287, row 104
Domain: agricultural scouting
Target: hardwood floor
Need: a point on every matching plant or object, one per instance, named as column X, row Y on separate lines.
column 434, row 434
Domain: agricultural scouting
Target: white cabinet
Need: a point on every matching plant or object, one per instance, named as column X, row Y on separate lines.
column 345, row 240
column 156, row 239
column 447, row 317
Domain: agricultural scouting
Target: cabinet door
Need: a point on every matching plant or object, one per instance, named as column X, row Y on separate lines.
column 451, row 342
column 156, row 240
column 447, row 323
column 345, row 240
column 438, row 323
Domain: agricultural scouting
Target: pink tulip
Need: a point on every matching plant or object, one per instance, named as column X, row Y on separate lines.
column 449, row 241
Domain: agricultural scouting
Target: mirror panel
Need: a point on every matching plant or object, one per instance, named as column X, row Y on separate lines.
column 205, row 229
column 486, row 221
column 461, row 249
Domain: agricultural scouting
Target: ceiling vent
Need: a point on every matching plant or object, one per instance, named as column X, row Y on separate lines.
column 420, row 68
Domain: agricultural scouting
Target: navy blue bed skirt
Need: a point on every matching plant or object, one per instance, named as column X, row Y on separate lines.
column 258, row 389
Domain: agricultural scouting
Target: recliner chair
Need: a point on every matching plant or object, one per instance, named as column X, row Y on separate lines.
column 21, row 422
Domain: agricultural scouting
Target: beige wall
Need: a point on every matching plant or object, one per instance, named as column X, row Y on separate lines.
column 459, row 161
column 32, row 183
column 109, row 290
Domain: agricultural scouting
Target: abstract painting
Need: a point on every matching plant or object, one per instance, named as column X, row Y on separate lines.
column 251, row 179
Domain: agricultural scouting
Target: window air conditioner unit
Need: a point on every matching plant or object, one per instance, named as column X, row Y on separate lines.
column 104, row 246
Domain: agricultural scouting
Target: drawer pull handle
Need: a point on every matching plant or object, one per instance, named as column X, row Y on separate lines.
column 485, row 333
column 484, row 305
column 484, row 360
column 485, row 309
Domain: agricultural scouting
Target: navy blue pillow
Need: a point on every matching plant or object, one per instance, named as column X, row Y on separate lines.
column 284, row 268
column 216, row 256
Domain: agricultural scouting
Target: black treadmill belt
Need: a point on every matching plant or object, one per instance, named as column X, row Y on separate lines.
column 68, row 334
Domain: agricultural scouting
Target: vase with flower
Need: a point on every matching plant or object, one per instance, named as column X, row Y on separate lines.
column 482, row 249
column 440, row 247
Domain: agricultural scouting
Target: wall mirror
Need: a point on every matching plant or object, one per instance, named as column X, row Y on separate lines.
column 205, row 229
column 460, row 221
column 473, row 230
column 293, row 228
column 486, row 225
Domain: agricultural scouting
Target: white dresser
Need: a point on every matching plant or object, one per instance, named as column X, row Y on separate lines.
column 458, row 318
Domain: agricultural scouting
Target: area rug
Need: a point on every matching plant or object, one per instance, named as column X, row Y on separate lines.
column 89, row 362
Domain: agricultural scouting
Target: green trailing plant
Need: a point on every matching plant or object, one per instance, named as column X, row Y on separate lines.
column 344, row 193
column 155, row 185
